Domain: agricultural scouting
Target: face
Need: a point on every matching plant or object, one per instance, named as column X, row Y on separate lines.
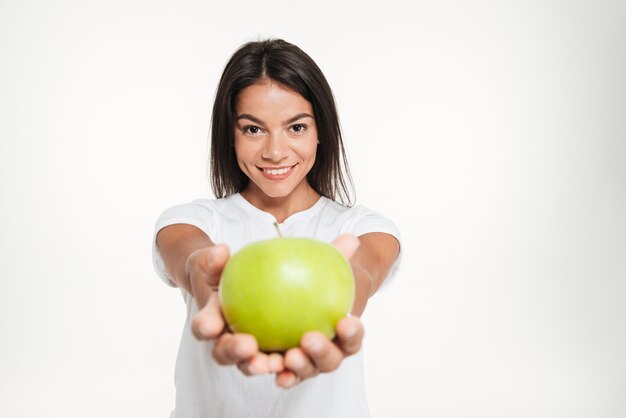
column 275, row 140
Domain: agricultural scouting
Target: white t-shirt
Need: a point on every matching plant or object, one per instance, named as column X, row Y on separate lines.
column 204, row 388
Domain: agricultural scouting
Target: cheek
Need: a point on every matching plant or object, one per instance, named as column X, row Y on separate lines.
column 310, row 152
column 243, row 152
column 306, row 150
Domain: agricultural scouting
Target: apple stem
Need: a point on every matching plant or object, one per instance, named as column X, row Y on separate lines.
column 278, row 230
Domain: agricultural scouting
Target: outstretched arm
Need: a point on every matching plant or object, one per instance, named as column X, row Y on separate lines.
column 370, row 265
column 194, row 263
column 176, row 243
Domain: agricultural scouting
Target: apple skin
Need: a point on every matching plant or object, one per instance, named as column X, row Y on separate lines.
column 279, row 289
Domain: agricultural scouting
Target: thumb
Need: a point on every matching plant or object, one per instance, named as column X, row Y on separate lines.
column 347, row 244
column 208, row 322
column 204, row 267
column 216, row 258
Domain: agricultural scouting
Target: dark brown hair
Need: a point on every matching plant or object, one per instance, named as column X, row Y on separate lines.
column 288, row 65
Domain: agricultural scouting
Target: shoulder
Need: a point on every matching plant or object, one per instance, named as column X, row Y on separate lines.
column 207, row 214
column 203, row 213
column 334, row 209
column 200, row 208
column 361, row 220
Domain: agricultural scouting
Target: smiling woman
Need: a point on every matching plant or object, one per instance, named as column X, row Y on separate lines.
column 276, row 144
column 277, row 157
column 289, row 70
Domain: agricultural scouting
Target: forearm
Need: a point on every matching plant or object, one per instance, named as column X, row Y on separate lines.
column 176, row 243
column 363, row 289
column 370, row 265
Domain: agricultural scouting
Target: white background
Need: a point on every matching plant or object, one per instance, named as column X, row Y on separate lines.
column 493, row 133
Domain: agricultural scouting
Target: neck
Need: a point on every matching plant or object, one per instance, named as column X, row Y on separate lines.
column 282, row 207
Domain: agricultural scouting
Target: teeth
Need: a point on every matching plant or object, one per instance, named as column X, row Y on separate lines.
column 277, row 172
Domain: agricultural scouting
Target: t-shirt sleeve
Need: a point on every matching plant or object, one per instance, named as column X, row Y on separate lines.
column 364, row 221
column 198, row 213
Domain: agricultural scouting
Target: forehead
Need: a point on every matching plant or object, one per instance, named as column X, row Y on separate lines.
column 270, row 97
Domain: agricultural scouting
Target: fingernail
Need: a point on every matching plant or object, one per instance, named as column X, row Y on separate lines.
column 253, row 368
column 209, row 257
column 292, row 381
column 351, row 332
column 241, row 351
column 312, row 344
column 208, row 329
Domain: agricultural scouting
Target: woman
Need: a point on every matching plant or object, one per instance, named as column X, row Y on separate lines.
column 276, row 157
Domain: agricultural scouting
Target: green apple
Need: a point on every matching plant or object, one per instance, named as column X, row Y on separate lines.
column 281, row 288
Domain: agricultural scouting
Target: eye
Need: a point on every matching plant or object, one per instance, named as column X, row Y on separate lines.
column 251, row 130
column 298, row 128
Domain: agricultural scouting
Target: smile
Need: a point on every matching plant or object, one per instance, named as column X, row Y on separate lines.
column 277, row 172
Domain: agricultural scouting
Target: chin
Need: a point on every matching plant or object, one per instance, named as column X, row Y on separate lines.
column 276, row 190
column 274, row 193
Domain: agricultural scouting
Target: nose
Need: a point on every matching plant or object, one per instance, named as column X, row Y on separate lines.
column 275, row 148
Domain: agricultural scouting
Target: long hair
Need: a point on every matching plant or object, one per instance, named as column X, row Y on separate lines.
column 288, row 65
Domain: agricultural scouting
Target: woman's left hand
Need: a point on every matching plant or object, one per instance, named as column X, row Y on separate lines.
column 317, row 354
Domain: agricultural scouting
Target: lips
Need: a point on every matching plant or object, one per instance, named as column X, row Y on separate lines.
column 277, row 173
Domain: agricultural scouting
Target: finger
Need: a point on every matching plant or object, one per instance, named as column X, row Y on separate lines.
column 323, row 353
column 347, row 244
column 262, row 363
column 276, row 363
column 350, row 334
column 287, row 379
column 234, row 348
column 300, row 364
column 259, row 363
column 208, row 322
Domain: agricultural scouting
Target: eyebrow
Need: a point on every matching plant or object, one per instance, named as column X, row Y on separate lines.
column 288, row 121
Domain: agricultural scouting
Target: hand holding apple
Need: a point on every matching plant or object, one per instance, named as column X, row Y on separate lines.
column 317, row 352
